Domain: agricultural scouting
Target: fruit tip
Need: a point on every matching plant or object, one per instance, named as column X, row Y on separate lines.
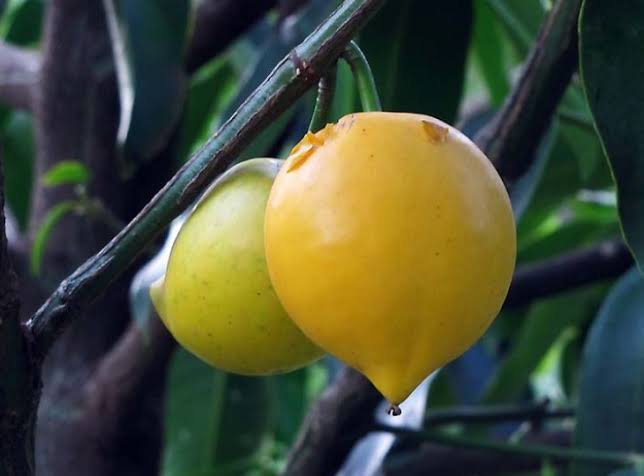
column 394, row 410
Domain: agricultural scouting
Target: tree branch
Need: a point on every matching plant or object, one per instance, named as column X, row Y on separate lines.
column 218, row 23
column 18, row 75
column 449, row 461
column 606, row 260
column 333, row 425
column 534, row 413
column 511, row 139
column 280, row 90
column 20, row 381
column 119, row 381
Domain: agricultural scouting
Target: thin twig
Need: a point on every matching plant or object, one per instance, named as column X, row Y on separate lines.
column 533, row 450
column 606, row 260
column 496, row 414
column 511, row 139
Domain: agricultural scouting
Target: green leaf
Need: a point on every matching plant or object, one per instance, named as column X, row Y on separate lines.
column 520, row 19
column 488, row 44
column 22, row 22
column 211, row 88
column 66, row 172
column 611, row 63
column 276, row 45
column 417, row 52
column 17, row 137
column 53, row 216
column 610, row 412
column 524, row 188
column 292, row 394
column 345, row 98
column 215, row 423
column 543, row 325
column 628, row 472
column 149, row 40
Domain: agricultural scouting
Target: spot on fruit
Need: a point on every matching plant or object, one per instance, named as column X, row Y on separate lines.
column 347, row 122
column 436, row 133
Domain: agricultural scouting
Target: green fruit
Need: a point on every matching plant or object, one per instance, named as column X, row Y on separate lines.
column 216, row 298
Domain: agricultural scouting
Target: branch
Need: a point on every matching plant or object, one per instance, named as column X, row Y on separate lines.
column 534, row 413
column 449, row 461
column 119, row 381
column 18, row 76
column 333, row 425
column 280, row 90
column 606, row 260
column 549, row 452
column 218, row 23
column 511, row 139
column 20, row 382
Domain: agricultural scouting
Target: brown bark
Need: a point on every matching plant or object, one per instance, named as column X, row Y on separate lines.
column 76, row 116
column 19, row 381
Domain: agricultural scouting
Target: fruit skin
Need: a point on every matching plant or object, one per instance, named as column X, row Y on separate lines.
column 216, row 298
column 390, row 241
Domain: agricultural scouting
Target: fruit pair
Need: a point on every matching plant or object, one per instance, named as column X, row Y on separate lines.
column 389, row 241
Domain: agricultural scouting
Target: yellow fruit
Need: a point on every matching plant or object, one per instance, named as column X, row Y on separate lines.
column 390, row 241
column 216, row 298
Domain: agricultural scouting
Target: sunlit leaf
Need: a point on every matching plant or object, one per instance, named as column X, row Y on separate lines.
column 66, row 172
column 44, row 230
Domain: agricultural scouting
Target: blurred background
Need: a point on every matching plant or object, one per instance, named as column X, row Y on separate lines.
column 102, row 101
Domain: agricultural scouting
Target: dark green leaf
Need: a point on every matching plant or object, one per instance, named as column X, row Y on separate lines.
column 610, row 413
column 18, row 158
column 418, row 51
column 53, row 216
column 210, row 89
column 216, row 423
column 292, row 394
column 149, row 41
column 489, row 52
column 276, row 46
column 543, row 325
column 611, row 64
column 66, row 172
column 569, row 370
column 628, row 472
column 22, row 22
column 520, row 19
column 524, row 188
column 344, row 101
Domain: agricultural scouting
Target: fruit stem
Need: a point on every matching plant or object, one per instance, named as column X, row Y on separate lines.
column 367, row 90
column 394, row 410
column 534, row 450
column 324, row 101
